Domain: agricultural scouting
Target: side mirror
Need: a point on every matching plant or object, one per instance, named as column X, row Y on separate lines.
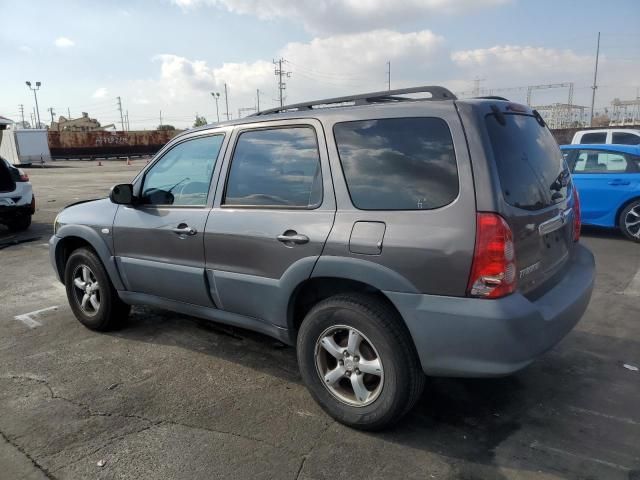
column 122, row 194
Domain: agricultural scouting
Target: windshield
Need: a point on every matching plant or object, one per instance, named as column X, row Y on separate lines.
column 532, row 172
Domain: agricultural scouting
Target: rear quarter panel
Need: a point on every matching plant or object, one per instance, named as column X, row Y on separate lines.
column 428, row 251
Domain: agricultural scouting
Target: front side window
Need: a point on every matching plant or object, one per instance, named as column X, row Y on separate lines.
column 398, row 163
column 594, row 138
column 278, row 167
column 593, row 161
column 625, row 138
column 183, row 175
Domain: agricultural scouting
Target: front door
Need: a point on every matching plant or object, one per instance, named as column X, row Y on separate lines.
column 159, row 241
column 271, row 218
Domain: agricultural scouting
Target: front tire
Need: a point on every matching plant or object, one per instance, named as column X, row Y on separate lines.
column 629, row 221
column 357, row 359
column 92, row 298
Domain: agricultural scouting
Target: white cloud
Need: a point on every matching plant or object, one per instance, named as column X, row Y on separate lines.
column 344, row 15
column 64, row 42
column 25, row 49
column 518, row 59
column 100, row 93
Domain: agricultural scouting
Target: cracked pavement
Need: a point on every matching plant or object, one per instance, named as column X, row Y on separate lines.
column 171, row 396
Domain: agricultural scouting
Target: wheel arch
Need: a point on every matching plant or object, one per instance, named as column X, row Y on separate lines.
column 72, row 237
column 315, row 289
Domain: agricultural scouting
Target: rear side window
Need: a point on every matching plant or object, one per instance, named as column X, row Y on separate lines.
column 593, row 161
column 532, row 172
column 398, row 163
column 625, row 138
column 594, row 138
column 277, row 167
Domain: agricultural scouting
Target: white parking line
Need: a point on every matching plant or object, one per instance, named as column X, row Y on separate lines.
column 29, row 320
column 633, row 289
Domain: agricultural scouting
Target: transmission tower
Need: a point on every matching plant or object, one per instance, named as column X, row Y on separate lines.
column 281, row 74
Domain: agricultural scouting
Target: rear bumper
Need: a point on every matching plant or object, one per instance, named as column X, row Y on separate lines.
column 469, row 337
column 15, row 211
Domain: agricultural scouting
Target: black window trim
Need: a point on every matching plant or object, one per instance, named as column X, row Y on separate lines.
column 631, row 164
column 238, row 133
column 206, row 205
column 344, row 176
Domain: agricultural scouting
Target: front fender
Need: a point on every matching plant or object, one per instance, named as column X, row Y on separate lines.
column 100, row 242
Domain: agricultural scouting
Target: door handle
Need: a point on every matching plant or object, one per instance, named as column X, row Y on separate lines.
column 619, row 182
column 184, row 229
column 294, row 238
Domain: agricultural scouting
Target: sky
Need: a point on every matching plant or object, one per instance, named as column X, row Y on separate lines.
column 169, row 55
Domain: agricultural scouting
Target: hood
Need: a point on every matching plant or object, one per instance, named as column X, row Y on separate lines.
column 95, row 213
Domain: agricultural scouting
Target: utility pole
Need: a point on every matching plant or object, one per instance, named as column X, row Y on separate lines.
column 388, row 75
column 120, row 108
column 476, row 86
column 216, row 96
column 160, row 117
column 35, row 96
column 595, row 79
column 226, row 100
column 126, row 116
column 68, row 114
column 32, row 120
column 22, row 113
column 281, row 74
column 257, row 100
column 50, row 110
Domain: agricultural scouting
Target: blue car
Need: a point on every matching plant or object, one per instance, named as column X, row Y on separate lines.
column 608, row 181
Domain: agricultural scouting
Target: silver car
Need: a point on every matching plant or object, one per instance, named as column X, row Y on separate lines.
column 386, row 236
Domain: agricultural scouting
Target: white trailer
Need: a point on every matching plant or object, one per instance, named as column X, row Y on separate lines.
column 25, row 146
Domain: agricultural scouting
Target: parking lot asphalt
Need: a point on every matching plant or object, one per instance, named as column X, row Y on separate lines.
column 175, row 397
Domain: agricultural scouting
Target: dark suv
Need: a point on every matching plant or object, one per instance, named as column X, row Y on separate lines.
column 385, row 236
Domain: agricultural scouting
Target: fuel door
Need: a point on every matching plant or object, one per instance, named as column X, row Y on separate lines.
column 367, row 237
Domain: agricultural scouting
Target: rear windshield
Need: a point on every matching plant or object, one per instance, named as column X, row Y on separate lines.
column 6, row 182
column 532, row 173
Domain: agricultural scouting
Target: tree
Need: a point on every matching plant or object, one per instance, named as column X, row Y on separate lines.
column 166, row 127
column 200, row 121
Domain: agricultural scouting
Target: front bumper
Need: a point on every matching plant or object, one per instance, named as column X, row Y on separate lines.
column 470, row 337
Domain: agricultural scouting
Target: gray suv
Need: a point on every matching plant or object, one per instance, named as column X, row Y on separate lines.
column 385, row 235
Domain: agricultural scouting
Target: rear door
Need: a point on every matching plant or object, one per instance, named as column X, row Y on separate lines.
column 604, row 180
column 273, row 212
column 536, row 195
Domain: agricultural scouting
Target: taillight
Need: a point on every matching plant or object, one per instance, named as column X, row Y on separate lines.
column 23, row 175
column 493, row 273
column 577, row 223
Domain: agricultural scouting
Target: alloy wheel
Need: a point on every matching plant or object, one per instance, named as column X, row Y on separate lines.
column 632, row 221
column 349, row 365
column 86, row 290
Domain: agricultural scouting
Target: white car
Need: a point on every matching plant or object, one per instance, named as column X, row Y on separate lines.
column 17, row 202
column 620, row 136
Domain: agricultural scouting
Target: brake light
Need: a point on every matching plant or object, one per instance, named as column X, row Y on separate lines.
column 493, row 273
column 577, row 222
column 23, row 175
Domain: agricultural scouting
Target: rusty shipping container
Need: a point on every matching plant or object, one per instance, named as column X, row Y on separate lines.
column 105, row 144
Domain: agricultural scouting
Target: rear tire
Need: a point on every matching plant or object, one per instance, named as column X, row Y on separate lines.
column 391, row 374
column 629, row 215
column 92, row 298
column 20, row 223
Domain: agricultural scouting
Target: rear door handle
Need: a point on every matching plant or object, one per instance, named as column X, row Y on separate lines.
column 184, row 229
column 293, row 238
column 619, row 182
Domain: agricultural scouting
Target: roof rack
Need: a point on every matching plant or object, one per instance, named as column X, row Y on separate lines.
column 437, row 93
